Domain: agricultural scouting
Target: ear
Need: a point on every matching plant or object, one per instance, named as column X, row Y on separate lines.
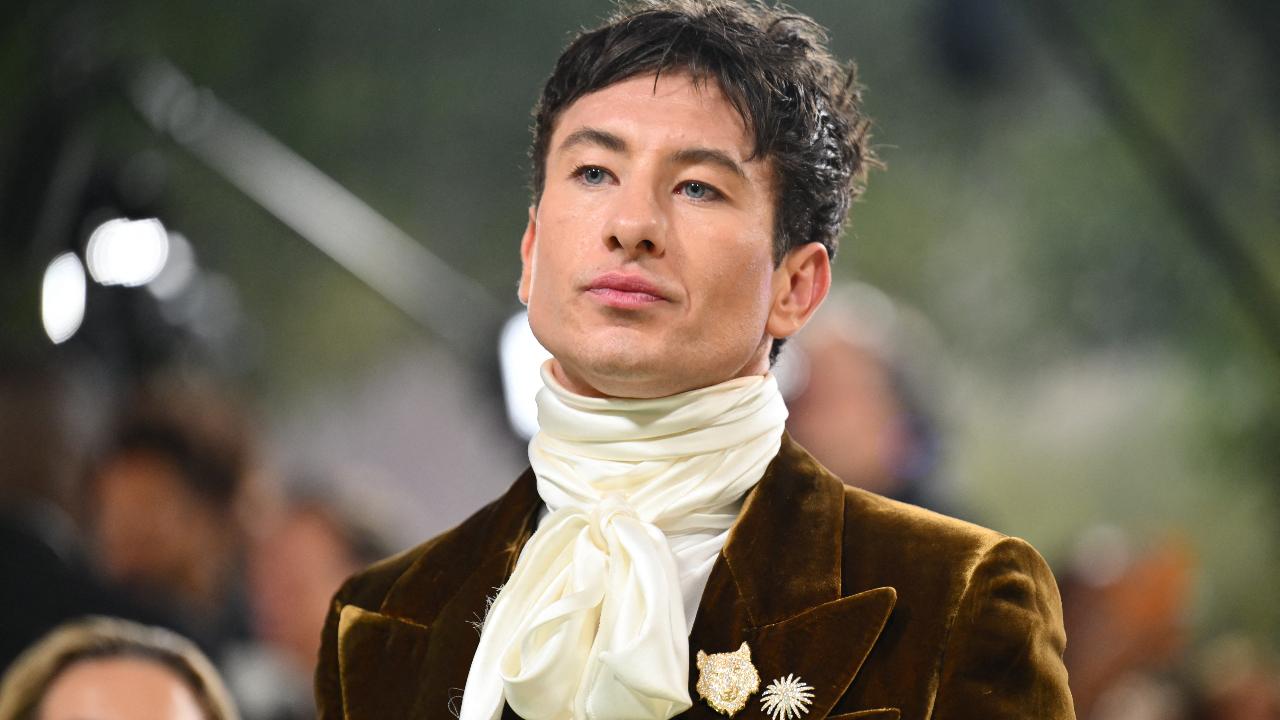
column 800, row 283
column 526, row 255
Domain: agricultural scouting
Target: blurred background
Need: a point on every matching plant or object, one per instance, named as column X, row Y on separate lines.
column 256, row 262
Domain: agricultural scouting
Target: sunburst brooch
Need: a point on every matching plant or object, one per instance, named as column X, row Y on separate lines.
column 787, row 698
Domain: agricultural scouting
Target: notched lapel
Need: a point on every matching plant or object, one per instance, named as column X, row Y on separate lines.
column 824, row 646
column 378, row 656
column 777, row 586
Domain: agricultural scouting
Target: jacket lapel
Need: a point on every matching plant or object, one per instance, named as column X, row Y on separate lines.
column 372, row 687
column 777, row 586
column 410, row 658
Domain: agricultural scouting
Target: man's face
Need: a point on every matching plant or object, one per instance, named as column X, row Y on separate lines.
column 648, row 261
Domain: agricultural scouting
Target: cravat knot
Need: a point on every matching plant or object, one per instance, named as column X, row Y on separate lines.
column 602, row 513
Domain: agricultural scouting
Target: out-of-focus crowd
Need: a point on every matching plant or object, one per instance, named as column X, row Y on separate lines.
column 171, row 521
column 174, row 525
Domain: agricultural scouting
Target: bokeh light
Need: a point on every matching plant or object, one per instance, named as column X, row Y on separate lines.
column 522, row 357
column 127, row 252
column 62, row 297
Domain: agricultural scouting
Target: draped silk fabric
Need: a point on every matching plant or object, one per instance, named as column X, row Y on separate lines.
column 592, row 622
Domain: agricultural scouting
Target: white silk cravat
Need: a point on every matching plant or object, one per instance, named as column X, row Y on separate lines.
column 591, row 624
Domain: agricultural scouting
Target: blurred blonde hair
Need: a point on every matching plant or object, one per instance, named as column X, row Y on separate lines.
column 102, row 638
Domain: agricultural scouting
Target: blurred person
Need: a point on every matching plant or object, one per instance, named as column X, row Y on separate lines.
column 45, row 574
column 166, row 505
column 321, row 535
column 1239, row 681
column 859, row 407
column 671, row 551
column 1126, row 614
column 103, row 668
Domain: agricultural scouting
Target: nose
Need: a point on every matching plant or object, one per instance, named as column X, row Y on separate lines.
column 637, row 222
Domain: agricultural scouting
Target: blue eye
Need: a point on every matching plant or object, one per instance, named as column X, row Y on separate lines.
column 592, row 175
column 698, row 191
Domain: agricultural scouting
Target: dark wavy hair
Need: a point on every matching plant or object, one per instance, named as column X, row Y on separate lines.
column 802, row 106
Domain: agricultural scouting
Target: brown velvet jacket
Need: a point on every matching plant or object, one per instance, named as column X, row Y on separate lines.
column 887, row 610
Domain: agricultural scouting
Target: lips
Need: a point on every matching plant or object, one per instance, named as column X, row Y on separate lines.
column 625, row 291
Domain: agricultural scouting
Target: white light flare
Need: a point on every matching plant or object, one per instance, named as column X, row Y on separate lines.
column 127, row 252
column 62, row 296
column 521, row 358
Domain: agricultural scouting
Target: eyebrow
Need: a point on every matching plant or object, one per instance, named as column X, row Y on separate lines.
column 594, row 136
column 699, row 156
column 685, row 156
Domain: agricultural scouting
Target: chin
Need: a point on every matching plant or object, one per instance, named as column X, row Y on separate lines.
column 629, row 378
column 623, row 375
column 622, row 365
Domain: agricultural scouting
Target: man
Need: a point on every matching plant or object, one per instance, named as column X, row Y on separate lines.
column 671, row 552
column 317, row 537
column 860, row 406
column 165, row 502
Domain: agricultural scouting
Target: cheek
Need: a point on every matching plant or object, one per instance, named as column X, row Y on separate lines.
column 748, row 282
column 554, row 249
column 735, row 300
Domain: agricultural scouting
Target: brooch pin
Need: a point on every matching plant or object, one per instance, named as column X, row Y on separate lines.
column 726, row 680
column 787, row 698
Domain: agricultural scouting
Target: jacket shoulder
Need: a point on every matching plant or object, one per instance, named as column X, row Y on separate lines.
column 977, row 614
column 928, row 557
column 873, row 518
column 437, row 558
column 367, row 588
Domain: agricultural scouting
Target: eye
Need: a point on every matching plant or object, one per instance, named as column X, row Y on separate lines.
column 695, row 190
column 591, row 175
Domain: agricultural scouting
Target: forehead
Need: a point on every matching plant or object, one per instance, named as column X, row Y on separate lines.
column 116, row 688
column 668, row 110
